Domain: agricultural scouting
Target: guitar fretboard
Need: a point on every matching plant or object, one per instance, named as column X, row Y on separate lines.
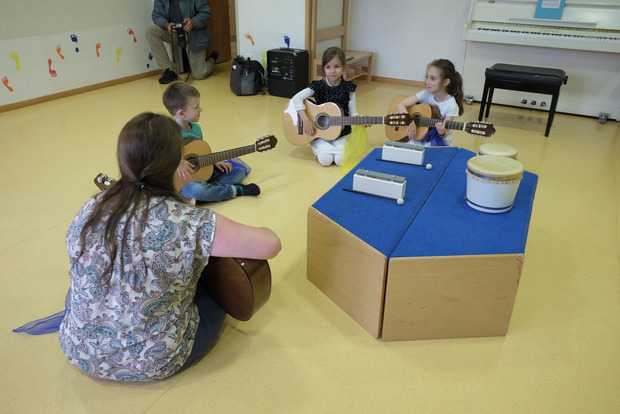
column 354, row 120
column 429, row 122
column 211, row 159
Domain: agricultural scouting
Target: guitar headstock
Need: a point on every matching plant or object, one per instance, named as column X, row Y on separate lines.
column 102, row 181
column 266, row 143
column 397, row 120
column 480, row 129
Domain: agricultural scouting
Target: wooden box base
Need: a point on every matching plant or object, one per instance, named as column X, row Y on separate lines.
column 450, row 296
column 347, row 270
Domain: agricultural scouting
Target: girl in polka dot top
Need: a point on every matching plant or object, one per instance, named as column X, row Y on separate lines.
column 333, row 88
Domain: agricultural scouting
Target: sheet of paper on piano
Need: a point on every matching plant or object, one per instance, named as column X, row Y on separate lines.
column 549, row 9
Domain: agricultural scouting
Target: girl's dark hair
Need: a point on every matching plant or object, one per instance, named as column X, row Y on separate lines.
column 333, row 52
column 149, row 151
column 455, row 87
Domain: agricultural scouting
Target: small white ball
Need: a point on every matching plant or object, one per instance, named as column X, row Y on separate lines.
column 400, row 201
column 429, row 166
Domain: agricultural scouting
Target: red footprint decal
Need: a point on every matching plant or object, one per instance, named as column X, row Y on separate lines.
column 97, row 47
column 58, row 50
column 134, row 35
column 5, row 81
column 52, row 71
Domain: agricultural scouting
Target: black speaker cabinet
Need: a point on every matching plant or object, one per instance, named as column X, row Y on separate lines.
column 287, row 71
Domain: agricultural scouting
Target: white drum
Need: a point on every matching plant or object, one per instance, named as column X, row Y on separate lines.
column 493, row 148
column 492, row 182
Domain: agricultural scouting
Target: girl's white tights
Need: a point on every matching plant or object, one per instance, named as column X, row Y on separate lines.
column 326, row 159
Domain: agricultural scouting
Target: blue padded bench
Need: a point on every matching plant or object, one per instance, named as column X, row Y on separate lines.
column 430, row 268
column 525, row 79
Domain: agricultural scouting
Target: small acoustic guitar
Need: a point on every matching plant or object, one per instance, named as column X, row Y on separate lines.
column 328, row 121
column 425, row 117
column 239, row 286
column 199, row 154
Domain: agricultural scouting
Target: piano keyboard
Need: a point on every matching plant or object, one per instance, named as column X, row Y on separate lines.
column 556, row 38
column 585, row 25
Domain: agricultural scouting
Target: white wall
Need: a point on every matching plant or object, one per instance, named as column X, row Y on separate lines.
column 266, row 22
column 50, row 47
column 407, row 35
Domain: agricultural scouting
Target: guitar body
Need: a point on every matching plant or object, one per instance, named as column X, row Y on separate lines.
column 239, row 286
column 196, row 148
column 422, row 110
column 318, row 114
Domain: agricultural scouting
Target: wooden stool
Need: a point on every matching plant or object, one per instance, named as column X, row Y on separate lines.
column 525, row 79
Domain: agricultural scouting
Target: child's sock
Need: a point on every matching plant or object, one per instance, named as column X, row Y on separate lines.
column 247, row 190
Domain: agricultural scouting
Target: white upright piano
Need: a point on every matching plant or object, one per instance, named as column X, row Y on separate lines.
column 585, row 43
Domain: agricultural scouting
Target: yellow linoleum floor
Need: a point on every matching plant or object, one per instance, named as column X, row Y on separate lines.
column 301, row 353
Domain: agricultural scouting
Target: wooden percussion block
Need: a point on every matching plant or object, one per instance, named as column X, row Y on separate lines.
column 450, row 296
column 347, row 270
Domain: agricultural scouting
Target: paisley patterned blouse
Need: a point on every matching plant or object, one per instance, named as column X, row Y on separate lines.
column 141, row 325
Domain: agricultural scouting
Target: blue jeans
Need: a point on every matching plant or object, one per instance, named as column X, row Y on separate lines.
column 217, row 188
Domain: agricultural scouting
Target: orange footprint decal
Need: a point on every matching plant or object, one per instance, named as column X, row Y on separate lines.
column 58, row 50
column 118, row 54
column 52, row 71
column 97, row 47
column 15, row 57
column 5, row 81
column 134, row 35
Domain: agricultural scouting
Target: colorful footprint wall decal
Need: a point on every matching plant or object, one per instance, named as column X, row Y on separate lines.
column 5, row 81
column 74, row 39
column 15, row 57
column 53, row 73
column 130, row 31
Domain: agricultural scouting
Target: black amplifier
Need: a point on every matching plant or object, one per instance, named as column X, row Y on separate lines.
column 287, row 71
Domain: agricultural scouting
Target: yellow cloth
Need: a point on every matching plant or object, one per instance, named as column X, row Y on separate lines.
column 354, row 148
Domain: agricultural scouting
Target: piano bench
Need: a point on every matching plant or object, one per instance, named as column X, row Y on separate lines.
column 524, row 79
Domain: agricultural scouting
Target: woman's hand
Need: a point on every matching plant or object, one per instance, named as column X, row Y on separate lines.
column 185, row 171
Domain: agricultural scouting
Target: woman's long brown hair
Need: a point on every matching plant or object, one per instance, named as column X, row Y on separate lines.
column 149, row 151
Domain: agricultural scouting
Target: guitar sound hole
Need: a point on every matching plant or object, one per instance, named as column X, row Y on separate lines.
column 193, row 159
column 322, row 121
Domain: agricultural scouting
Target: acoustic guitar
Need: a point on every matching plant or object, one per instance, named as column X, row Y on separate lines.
column 239, row 286
column 425, row 117
column 199, row 154
column 328, row 121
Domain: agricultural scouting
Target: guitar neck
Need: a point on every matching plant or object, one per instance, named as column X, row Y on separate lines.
column 355, row 120
column 430, row 123
column 216, row 157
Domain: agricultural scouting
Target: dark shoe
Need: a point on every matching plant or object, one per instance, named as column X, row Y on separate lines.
column 214, row 55
column 247, row 190
column 168, row 77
